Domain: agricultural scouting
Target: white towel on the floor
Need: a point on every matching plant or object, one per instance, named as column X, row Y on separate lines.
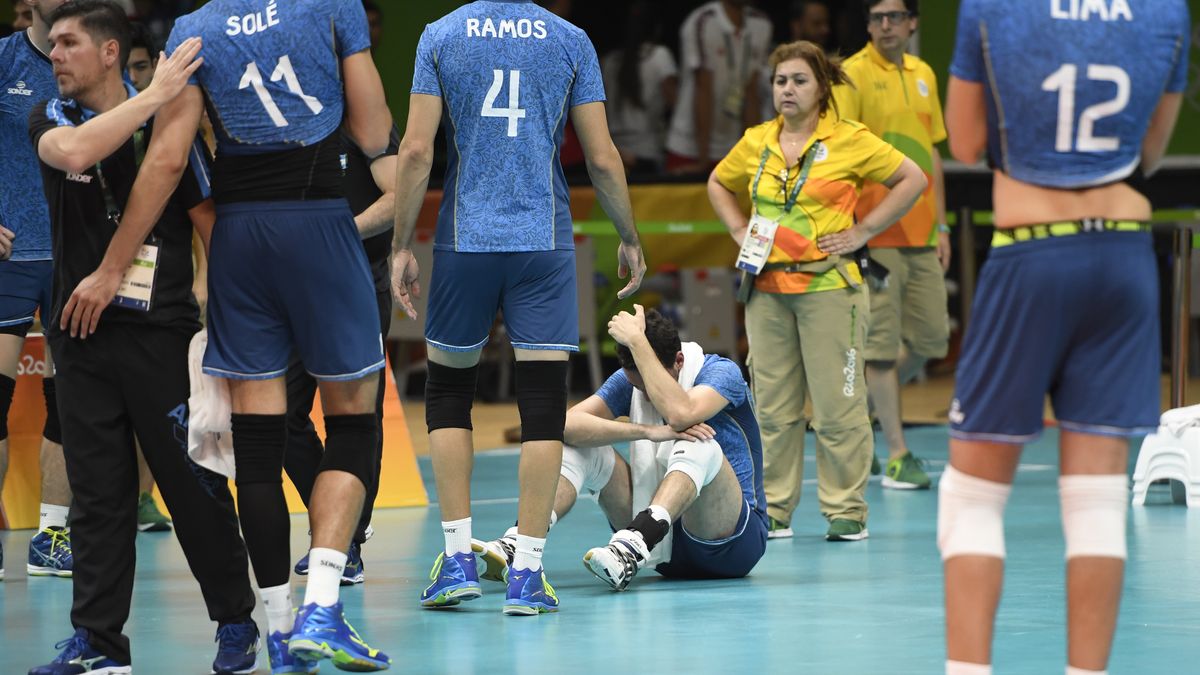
column 647, row 459
column 210, row 414
column 1179, row 419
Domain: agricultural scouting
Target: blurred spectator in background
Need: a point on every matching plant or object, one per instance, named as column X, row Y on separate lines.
column 143, row 57
column 810, row 21
column 22, row 16
column 642, row 82
column 895, row 95
column 724, row 46
column 375, row 21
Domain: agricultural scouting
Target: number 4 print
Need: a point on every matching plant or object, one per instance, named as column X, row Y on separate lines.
column 283, row 71
column 512, row 112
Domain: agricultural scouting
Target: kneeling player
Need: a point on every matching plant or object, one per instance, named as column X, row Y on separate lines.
column 705, row 478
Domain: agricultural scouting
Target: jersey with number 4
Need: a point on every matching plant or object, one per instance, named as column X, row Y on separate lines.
column 272, row 68
column 508, row 74
column 1071, row 85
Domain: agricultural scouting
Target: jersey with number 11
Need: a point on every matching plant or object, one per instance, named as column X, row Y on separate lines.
column 1071, row 84
column 272, row 68
column 508, row 74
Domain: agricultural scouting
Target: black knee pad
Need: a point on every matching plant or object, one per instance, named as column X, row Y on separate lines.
column 7, row 386
column 449, row 393
column 52, row 431
column 350, row 445
column 258, row 443
column 542, row 399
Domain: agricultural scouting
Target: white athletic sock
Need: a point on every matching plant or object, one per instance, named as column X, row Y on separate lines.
column 962, row 668
column 529, row 553
column 458, row 535
column 1082, row 671
column 277, row 600
column 52, row 516
column 325, row 567
column 660, row 513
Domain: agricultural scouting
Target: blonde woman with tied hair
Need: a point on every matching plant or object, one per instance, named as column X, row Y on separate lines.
column 807, row 316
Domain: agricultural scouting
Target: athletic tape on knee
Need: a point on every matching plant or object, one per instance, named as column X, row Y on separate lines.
column 542, row 399
column 258, row 443
column 7, row 386
column 698, row 460
column 588, row 469
column 52, row 431
column 970, row 515
column 1093, row 515
column 449, row 393
column 350, row 442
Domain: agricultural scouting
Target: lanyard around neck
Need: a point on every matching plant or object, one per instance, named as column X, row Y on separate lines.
column 805, row 165
column 110, row 199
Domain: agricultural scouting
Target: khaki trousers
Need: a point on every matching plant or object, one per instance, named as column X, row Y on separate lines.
column 811, row 345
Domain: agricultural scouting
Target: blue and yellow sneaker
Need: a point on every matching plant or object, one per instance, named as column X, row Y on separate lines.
column 237, row 649
column 78, row 656
column 352, row 573
column 282, row 662
column 50, row 554
column 529, row 593
column 455, row 579
column 324, row 633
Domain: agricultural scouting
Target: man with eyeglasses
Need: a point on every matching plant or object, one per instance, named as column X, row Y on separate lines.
column 895, row 95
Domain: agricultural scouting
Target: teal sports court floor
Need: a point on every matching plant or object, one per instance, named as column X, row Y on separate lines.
column 809, row 606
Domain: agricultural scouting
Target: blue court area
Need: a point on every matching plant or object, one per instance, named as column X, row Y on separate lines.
column 809, row 607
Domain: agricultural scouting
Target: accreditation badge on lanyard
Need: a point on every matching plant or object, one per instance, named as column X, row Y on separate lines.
column 137, row 285
column 760, row 237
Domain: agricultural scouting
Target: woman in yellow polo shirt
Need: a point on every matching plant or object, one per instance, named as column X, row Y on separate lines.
column 807, row 317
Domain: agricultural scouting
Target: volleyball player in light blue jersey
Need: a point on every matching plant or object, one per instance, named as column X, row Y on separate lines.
column 287, row 272
column 509, row 75
column 1068, row 99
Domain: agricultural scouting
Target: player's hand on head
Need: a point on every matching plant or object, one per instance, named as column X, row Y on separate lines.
column 405, row 286
column 625, row 328
column 630, row 263
column 82, row 312
column 173, row 72
column 6, row 242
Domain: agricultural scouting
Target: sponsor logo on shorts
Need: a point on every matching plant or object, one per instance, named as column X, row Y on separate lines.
column 848, row 372
column 956, row 414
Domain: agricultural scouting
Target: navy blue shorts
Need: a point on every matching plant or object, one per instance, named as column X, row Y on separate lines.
column 286, row 275
column 535, row 291
column 1074, row 317
column 25, row 289
column 729, row 558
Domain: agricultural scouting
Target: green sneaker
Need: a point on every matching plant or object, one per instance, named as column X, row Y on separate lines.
column 841, row 529
column 778, row 530
column 875, row 469
column 149, row 517
column 906, row 473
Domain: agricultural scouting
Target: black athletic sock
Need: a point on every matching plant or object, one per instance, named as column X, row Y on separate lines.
column 652, row 529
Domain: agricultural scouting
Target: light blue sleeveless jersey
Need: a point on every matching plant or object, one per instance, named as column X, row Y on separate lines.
column 508, row 73
column 272, row 68
column 1071, row 84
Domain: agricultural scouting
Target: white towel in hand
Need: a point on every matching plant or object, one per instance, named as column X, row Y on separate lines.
column 1179, row 419
column 210, row 414
column 647, row 459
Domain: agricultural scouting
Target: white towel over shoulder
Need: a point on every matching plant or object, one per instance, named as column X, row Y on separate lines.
column 210, row 414
column 647, row 459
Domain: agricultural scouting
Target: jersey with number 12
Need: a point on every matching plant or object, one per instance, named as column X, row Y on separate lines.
column 508, row 74
column 272, row 68
column 1071, row 84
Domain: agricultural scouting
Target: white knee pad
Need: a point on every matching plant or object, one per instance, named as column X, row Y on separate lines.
column 699, row 460
column 588, row 469
column 970, row 515
column 1093, row 515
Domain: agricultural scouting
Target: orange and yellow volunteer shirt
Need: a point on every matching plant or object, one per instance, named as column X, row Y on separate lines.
column 901, row 106
column 847, row 156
